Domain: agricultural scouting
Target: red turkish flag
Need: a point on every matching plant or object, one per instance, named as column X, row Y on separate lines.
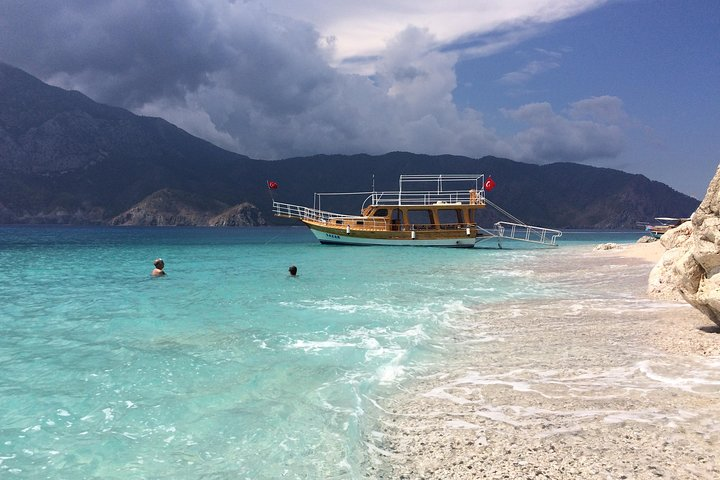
column 489, row 184
column 272, row 185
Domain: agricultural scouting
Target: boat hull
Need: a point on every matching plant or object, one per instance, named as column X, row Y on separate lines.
column 330, row 236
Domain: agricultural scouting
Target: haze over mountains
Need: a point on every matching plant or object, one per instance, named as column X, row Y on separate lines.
column 65, row 159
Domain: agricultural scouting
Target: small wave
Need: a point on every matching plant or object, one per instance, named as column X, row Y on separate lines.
column 703, row 381
column 313, row 346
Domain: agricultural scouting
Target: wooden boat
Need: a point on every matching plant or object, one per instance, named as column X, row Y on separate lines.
column 664, row 224
column 415, row 215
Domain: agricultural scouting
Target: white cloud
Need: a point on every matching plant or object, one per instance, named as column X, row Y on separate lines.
column 544, row 61
column 604, row 109
column 530, row 70
column 590, row 130
column 362, row 29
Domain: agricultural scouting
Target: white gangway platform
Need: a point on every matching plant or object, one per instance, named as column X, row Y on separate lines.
column 526, row 233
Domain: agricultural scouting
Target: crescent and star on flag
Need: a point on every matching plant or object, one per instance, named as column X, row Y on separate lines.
column 489, row 184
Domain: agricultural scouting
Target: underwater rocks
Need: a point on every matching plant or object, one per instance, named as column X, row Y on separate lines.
column 690, row 268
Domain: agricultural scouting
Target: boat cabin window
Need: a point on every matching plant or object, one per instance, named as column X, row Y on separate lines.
column 396, row 219
column 450, row 216
column 380, row 212
column 419, row 217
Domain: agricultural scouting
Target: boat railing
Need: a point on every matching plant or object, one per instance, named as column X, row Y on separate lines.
column 300, row 212
column 357, row 222
column 433, row 226
column 459, row 197
column 528, row 233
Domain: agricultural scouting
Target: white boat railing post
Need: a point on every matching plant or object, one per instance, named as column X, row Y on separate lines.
column 400, row 191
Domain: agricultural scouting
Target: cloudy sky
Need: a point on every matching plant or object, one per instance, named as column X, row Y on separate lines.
column 632, row 85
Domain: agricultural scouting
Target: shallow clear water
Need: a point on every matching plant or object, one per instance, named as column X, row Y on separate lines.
column 227, row 367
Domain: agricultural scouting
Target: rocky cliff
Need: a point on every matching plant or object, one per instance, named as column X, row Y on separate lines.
column 690, row 268
column 169, row 207
column 243, row 215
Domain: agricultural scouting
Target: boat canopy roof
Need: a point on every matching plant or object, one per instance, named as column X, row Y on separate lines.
column 425, row 190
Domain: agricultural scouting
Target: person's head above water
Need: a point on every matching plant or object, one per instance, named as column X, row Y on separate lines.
column 159, row 265
column 292, row 270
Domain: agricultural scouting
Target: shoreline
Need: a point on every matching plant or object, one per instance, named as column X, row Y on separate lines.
column 689, row 332
column 621, row 386
column 650, row 252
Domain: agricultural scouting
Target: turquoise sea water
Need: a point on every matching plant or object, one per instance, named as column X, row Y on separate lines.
column 227, row 367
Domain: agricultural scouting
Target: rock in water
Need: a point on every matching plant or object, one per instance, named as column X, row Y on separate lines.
column 646, row 239
column 690, row 268
column 606, row 246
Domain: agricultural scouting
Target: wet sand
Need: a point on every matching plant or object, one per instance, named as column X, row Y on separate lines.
column 601, row 383
column 650, row 252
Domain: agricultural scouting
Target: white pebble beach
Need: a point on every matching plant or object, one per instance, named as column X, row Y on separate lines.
column 608, row 385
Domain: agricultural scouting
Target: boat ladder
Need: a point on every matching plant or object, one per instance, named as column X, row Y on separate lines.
column 527, row 233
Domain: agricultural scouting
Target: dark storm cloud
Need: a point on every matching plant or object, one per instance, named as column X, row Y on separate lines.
column 262, row 84
column 119, row 52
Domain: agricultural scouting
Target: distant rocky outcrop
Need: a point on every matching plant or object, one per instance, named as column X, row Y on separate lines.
column 168, row 207
column 690, row 268
column 243, row 215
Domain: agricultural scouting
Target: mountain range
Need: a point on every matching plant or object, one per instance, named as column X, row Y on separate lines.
column 65, row 159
